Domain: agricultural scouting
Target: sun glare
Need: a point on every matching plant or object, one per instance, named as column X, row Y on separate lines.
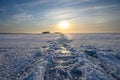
column 63, row 25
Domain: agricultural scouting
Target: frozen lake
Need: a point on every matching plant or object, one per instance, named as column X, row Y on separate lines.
column 60, row 57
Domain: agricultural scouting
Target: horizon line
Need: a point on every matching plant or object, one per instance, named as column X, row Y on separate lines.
column 64, row 33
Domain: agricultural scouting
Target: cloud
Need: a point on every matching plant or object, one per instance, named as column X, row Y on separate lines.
column 51, row 3
column 32, row 3
column 72, row 2
column 61, row 9
column 23, row 17
column 87, row 13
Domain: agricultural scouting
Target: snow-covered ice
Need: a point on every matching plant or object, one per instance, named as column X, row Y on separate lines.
column 60, row 57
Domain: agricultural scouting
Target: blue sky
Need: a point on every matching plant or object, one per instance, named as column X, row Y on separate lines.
column 84, row 16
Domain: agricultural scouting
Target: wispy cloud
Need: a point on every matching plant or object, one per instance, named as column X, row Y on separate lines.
column 58, row 10
column 35, row 3
column 74, row 11
column 51, row 3
column 23, row 17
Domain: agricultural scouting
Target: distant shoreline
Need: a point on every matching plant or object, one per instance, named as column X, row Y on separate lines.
column 63, row 33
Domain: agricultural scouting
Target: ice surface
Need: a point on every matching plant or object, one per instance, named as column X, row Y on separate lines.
column 60, row 57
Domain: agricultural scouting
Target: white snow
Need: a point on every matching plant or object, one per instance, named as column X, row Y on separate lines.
column 60, row 57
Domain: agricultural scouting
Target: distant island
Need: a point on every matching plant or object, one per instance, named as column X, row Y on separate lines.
column 46, row 32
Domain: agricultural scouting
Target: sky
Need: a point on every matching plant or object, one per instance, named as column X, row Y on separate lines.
column 82, row 16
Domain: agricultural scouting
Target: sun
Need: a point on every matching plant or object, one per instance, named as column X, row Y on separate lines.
column 63, row 25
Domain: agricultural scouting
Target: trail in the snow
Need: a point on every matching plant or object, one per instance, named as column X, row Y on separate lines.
column 61, row 61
